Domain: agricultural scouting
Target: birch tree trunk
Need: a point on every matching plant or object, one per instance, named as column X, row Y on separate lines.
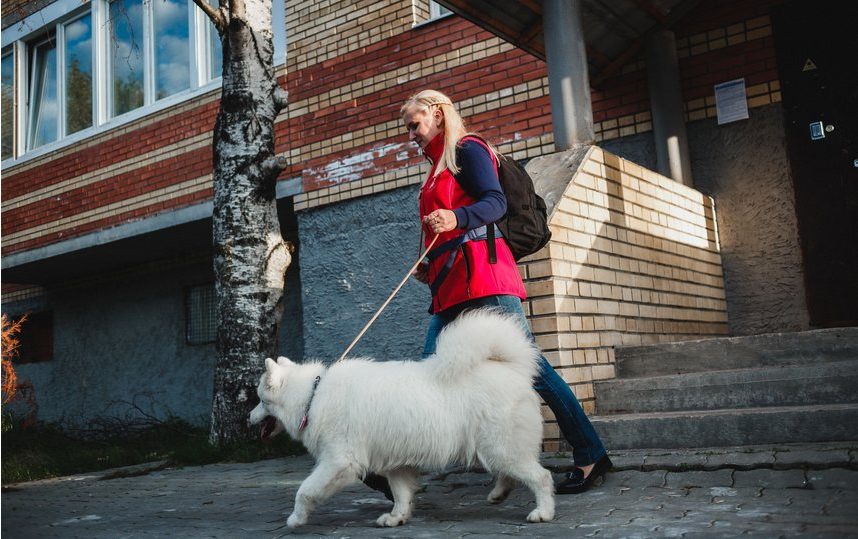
column 250, row 255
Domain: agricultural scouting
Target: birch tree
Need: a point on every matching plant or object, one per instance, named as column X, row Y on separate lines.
column 250, row 255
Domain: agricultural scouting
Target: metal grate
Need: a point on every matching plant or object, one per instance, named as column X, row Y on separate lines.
column 200, row 314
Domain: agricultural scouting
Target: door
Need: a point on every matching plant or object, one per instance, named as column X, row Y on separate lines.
column 816, row 47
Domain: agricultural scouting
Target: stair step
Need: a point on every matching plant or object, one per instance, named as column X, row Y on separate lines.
column 723, row 353
column 828, row 383
column 721, row 428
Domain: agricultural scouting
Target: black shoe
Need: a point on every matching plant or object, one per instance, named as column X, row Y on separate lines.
column 576, row 483
column 379, row 483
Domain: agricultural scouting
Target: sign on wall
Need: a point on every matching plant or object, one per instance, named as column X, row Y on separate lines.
column 731, row 101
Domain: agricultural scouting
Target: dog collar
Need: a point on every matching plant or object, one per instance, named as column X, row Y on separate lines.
column 307, row 409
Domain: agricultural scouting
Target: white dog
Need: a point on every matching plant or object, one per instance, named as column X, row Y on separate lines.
column 472, row 402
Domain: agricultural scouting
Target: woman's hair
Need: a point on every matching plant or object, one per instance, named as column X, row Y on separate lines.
column 454, row 126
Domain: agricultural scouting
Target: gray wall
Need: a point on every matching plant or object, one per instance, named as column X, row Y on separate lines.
column 119, row 345
column 119, row 340
column 743, row 166
column 353, row 255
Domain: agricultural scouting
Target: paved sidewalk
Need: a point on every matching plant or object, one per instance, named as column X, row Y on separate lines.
column 767, row 492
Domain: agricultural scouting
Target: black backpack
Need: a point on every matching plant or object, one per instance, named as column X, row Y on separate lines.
column 525, row 224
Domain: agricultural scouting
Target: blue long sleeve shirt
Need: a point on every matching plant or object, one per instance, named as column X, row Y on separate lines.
column 479, row 178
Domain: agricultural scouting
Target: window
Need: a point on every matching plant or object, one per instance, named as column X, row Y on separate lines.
column 60, row 84
column 98, row 62
column 77, row 62
column 44, row 112
column 426, row 11
column 214, row 63
column 146, row 66
column 126, row 56
column 200, row 314
column 436, row 10
column 8, row 105
column 36, row 340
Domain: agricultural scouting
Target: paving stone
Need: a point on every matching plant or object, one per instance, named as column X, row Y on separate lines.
column 678, row 496
column 768, row 478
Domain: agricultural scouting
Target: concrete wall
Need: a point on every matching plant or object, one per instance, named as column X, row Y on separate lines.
column 353, row 255
column 119, row 342
column 119, row 345
column 743, row 166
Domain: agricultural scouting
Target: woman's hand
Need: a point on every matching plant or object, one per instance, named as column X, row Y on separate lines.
column 421, row 272
column 441, row 221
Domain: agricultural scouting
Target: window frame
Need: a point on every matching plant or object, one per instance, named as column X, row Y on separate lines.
column 10, row 53
column 435, row 11
column 19, row 37
column 191, row 315
column 37, row 81
column 62, row 67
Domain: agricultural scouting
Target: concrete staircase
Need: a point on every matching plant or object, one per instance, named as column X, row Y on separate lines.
column 733, row 391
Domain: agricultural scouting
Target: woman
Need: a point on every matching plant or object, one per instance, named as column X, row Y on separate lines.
column 457, row 209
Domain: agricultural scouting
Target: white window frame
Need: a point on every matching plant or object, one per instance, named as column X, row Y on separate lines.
column 61, row 78
column 21, row 35
column 57, row 34
column 12, row 52
column 435, row 11
column 31, row 120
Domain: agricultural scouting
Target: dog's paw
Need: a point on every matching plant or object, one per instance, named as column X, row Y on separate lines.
column 497, row 495
column 389, row 520
column 540, row 515
column 294, row 521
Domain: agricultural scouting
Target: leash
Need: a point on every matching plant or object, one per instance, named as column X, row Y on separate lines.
column 407, row 275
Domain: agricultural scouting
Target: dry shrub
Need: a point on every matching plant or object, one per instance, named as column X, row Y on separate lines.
column 13, row 389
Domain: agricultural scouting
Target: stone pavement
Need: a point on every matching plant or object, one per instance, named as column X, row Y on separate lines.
column 766, row 492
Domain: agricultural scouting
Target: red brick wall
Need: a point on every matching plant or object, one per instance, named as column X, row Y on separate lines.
column 341, row 132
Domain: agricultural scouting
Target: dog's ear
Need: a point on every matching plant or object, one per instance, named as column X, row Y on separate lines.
column 270, row 366
column 284, row 361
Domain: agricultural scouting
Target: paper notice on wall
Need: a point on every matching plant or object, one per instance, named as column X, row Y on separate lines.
column 731, row 101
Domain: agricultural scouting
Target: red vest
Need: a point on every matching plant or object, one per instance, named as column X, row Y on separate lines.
column 471, row 275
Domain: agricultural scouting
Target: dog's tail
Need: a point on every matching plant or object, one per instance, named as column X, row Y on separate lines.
column 486, row 335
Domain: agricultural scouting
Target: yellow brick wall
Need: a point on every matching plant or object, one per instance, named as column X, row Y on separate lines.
column 633, row 260
column 321, row 30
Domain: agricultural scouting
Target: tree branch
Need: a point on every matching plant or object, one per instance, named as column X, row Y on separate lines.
column 281, row 98
column 273, row 166
column 215, row 15
column 238, row 10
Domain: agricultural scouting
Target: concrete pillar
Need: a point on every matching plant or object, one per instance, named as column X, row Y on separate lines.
column 668, row 114
column 568, row 81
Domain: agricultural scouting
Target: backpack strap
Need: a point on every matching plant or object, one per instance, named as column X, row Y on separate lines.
column 490, row 235
column 452, row 246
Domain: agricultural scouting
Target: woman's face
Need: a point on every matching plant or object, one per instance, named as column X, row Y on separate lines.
column 422, row 125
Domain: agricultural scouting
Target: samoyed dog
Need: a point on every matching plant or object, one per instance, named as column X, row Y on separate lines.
column 470, row 403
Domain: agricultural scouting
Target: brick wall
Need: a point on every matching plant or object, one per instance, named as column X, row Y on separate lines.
column 633, row 260
column 716, row 43
column 349, row 67
column 152, row 165
column 14, row 11
column 620, row 271
column 343, row 131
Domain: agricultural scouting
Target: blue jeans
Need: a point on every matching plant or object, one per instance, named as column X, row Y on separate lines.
column 587, row 448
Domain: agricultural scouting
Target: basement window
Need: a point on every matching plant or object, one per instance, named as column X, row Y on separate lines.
column 200, row 314
column 36, row 339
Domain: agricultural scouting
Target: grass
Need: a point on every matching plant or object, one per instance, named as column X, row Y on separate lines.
column 41, row 451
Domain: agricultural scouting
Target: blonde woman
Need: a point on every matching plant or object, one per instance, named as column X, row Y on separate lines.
column 460, row 197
